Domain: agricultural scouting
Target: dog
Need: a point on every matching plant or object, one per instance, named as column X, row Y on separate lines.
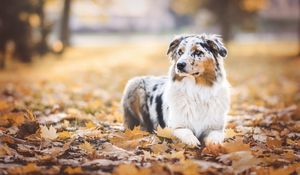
column 193, row 100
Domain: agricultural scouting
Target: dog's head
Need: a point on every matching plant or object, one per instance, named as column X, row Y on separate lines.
column 197, row 55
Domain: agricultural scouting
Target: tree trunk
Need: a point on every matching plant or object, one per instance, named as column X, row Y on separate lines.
column 225, row 21
column 43, row 46
column 2, row 61
column 65, row 30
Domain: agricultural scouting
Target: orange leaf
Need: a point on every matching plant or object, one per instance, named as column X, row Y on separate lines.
column 236, row 145
column 70, row 170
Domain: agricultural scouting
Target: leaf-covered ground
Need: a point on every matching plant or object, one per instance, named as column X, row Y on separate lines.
column 62, row 115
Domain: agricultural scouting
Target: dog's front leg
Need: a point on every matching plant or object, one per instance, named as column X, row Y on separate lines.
column 186, row 136
column 214, row 137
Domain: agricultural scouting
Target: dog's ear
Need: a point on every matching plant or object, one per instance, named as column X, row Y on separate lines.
column 215, row 45
column 175, row 43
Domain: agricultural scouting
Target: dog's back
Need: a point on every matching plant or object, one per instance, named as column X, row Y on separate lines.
column 142, row 102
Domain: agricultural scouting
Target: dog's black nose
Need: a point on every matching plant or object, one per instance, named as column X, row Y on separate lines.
column 181, row 65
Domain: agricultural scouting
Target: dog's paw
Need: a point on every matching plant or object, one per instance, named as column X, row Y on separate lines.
column 214, row 138
column 186, row 136
column 191, row 140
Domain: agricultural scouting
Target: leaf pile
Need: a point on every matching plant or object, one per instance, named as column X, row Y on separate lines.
column 64, row 125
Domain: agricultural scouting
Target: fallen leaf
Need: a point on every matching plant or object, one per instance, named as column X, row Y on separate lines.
column 187, row 167
column 87, row 147
column 165, row 132
column 90, row 124
column 236, row 145
column 229, row 133
column 48, row 133
column 273, row 143
column 64, row 135
column 130, row 169
column 29, row 168
column 241, row 160
column 135, row 133
column 75, row 170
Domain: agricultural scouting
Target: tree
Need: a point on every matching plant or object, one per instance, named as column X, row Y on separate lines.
column 18, row 19
column 65, row 29
column 15, row 26
column 228, row 13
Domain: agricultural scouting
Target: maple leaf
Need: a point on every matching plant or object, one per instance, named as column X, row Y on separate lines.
column 48, row 133
column 159, row 148
column 87, row 147
column 75, row 170
column 135, row 133
column 187, row 167
column 130, row 169
column 236, row 145
column 229, row 133
column 273, row 143
column 165, row 132
column 241, row 160
column 64, row 135
column 214, row 149
column 177, row 155
column 29, row 168
column 90, row 124
column 5, row 150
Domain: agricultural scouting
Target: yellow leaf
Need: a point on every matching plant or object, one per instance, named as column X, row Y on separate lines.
column 130, row 169
column 87, row 147
column 5, row 150
column 90, row 124
column 4, row 105
column 187, row 167
column 159, row 148
column 178, row 155
column 29, row 168
column 135, row 133
column 165, row 132
column 48, row 133
column 229, row 133
column 70, row 170
column 64, row 135
column 236, row 145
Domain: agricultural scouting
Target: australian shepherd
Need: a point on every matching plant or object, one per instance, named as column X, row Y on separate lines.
column 193, row 100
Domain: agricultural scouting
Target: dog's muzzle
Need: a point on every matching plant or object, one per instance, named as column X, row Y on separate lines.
column 180, row 66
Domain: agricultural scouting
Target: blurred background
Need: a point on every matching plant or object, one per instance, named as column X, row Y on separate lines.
column 31, row 28
column 87, row 50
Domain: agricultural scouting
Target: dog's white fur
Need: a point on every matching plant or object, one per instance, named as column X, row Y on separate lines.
column 190, row 109
column 195, row 109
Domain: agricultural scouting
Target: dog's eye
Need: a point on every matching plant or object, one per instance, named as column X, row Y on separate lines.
column 180, row 52
column 198, row 53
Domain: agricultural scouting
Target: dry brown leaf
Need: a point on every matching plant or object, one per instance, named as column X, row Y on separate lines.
column 29, row 168
column 64, row 135
column 90, row 125
column 177, row 155
column 75, row 170
column 48, row 133
column 273, row 143
column 214, row 149
column 236, row 145
column 87, row 147
column 241, row 160
column 165, row 132
column 187, row 167
column 135, row 133
column 159, row 148
column 286, row 170
column 229, row 133
column 130, row 169
column 5, row 150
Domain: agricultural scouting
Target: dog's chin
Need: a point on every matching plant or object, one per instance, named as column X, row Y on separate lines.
column 187, row 74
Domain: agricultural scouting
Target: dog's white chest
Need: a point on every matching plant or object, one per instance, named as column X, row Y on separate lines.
column 197, row 108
